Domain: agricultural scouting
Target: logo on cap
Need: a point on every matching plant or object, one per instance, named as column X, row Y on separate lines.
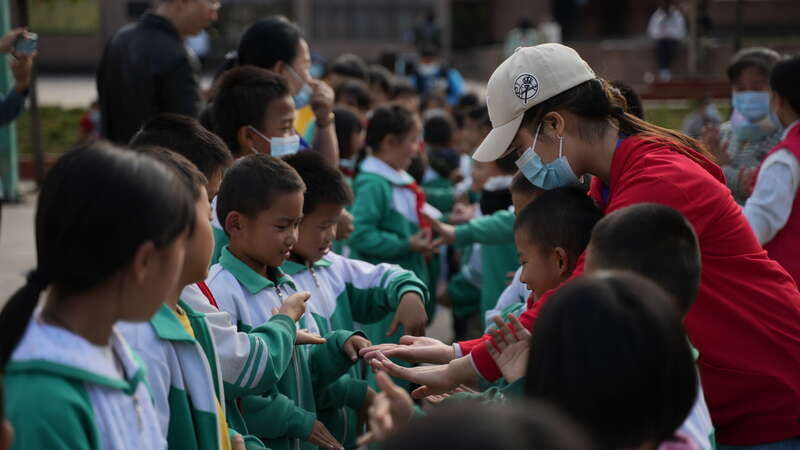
column 526, row 86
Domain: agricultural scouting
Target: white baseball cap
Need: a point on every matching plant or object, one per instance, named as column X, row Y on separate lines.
column 528, row 77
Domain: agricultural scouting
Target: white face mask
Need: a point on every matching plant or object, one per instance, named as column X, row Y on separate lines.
column 279, row 146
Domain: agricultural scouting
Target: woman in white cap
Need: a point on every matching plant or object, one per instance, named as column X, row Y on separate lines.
column 547, row 105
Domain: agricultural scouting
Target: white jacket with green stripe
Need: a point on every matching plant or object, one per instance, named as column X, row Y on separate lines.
column 62, row 392
column 344, row 293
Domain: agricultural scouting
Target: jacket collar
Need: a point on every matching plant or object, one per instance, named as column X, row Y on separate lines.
column 292, row 268
column 51, row 349
column 376, row 166
column 168, row 327
column 252, row 281
column 152, row 20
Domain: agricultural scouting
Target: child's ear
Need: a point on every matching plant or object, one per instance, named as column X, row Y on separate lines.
column 234, row 223
column 143, row 261
column 562, row 259
column 245, row 139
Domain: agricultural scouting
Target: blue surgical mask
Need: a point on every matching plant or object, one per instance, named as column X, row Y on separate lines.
column 303, row 96
column 280, row 146
column 752, row 105
column 552, row 175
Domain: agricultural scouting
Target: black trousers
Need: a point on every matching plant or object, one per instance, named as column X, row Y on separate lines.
column 665, row 52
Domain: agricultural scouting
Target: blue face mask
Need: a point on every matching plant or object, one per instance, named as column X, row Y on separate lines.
column 280, row 146
column 752, row 105
column 552, row 175
column 303, row 96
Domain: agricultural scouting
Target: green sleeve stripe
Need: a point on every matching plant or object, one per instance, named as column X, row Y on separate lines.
column 247, row 364
column 254, row 369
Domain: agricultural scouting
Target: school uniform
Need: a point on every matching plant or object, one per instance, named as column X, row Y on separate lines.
column 746, row 319
column 284, row 417
column 249, row 363
column 220, row 238
column 386, row 213
column 439, row 191
column 344, row 294
column 773, row 209
column 62, row 391
column 513, row 300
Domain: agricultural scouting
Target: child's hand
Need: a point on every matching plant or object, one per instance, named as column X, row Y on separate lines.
column 237, row 442
column 295, row 305
column 410, row 314
column 354, row 345
column 421, row 243
column 433, row 379
column 321, row 437
column 413, row 349
column 510, row 347
column 345, row 226
column 391, row 409
column 305, row 337
column 446, row 232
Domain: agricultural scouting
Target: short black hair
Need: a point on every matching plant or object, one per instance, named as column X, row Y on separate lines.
column 654, row 241
column 761, row 58
column 347, row 124
column 783, row 81
column 357, row 91
column 187, row 137
column 388, row 120
column 324, row 184
column 381, row 77
column 251, row 184
column 351, row 66
column 480, row 115
column 403, row 88
column 610, row 351
column 562, row 217
column 241, row 97
column 521, row 185
column 515, row 426
column 438, row 129
column 269, row 41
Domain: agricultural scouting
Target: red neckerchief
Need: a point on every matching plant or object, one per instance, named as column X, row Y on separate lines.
column 420, row 194
column 207, row 292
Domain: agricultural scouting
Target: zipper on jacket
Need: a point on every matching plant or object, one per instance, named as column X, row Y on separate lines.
column 314, row 275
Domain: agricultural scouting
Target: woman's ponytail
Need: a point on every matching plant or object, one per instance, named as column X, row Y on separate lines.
column 17, row 313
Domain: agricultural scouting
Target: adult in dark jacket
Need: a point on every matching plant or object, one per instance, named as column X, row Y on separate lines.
column 146, row 68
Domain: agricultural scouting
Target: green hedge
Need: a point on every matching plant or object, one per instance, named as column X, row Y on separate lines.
column 59, row 129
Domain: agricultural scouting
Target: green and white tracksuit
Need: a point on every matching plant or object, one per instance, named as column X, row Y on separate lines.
column 220, row 238
column 385, row 217
column 62, row 392
column 250, row 363
column 513, row 300
column 439, row 191
column 495, row 233
column 344, row 293
column 283, row 418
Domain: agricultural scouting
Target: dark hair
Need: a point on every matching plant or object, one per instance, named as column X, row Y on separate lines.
column 403, row 88
column 268, row 41
column 783, row 81
column 357, row 91
column 598, row 105
column 347, row 124
column 324, row 184
column 468, row 102
column 562, row 217
column 351, row 66
column 522, row 426
column 381, row 76
column 521, row 185
column 388, row 120
column 187, row 173
column 507, row 163
column 480, row 115
column 633, row 103
column 185, row 136
column 251, row 184
column 241, row 98
column 654, row 241
column 97, row 205
column 438, row 129
column 443, row 160
column 610, row 352
column 760, row 58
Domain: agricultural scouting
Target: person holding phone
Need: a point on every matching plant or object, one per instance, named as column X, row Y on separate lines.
column 21, row 61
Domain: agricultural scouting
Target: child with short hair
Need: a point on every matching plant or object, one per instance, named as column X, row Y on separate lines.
column 443, row 161
column 351, row 135
column 253, row 111
column 388, row 209
column 116, row 264
column 345, row 292
column 627, row 239
column 260, row 205
column 773, row 210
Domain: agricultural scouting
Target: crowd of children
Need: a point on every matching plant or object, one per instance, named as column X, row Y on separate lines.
column 251, row 279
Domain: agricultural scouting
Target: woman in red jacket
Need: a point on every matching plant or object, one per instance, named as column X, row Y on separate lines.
column 546, row 104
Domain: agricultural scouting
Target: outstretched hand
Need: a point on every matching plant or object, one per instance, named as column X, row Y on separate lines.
column 410, row 314
column 390, row 409
column 510, row 347
column 413, row 349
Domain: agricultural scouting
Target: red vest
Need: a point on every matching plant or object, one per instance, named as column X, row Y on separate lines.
column 785, row 246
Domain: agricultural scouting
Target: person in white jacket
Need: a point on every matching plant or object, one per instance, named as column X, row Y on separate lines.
column 667, row 27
